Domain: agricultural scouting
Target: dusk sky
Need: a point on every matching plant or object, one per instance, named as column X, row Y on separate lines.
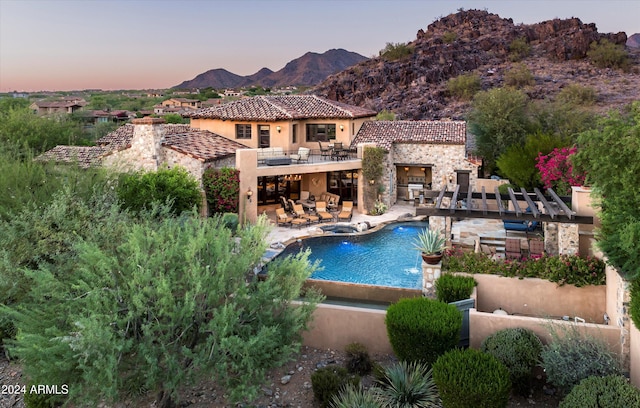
column 138, row 44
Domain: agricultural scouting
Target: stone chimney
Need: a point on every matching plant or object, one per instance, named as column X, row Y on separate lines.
column 148, row 134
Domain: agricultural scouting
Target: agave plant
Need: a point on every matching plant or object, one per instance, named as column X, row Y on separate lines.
column 352, row 396
column 408, row 385
column 430, row 242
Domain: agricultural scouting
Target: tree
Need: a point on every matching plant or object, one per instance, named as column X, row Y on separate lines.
column 498, row 119
column 610, row 154
column 518, row 163
column 165, row 304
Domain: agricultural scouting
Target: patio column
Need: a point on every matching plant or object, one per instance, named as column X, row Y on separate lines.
column 247, row 163
column 429, row 275
column 568, row 239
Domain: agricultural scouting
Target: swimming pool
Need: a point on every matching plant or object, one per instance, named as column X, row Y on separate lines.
column 384, row 257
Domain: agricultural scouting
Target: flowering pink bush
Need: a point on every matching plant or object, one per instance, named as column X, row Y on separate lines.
column 557, row 171
column 222, row 187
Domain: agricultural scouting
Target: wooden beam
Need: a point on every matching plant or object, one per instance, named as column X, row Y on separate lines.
column 485, row 207
column 550, row 210
column 561, row 204
column 454, row 199
column 530, row 203
column 514, row 201
column 439, row 200
column 469, row 195
column 499, row 201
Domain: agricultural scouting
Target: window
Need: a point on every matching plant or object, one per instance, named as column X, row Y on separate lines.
column 294, row 134
column 321, row 132
column 243, row 131
column 264, row 133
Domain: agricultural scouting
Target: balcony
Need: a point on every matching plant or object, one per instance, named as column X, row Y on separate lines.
column 269, row 157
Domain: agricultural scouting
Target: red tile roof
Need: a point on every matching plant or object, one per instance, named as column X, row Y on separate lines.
column 283, row 107
column 198, row 144
column 386, row 133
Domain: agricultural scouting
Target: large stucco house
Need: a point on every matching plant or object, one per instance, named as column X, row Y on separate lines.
column 281, row 145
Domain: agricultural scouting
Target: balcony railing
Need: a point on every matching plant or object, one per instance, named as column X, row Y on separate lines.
column 315, row 156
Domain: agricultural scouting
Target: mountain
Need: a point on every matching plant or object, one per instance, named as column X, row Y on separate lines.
column 475, row 41
column 634, row 41
column 308, row 70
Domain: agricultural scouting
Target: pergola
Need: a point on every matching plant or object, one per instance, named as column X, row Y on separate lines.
column 547, row 208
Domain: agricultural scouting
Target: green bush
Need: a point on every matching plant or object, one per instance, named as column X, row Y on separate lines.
column 230, row 220
column 422, row 329
column 575, row 94
column 408, row 385
column 36, row 400
column 351, row 397
column 634, row 303
column 451, row 288
column 519, row 76
column 358, row 359
column 329, row 381
column 392, row 52
column 608, row 55
column 464, row 86
column 572, row 357
column 139, row 191
column 608, row 391
column 449, row 37
column 471, row 378
column 562, row 269
column 519, row 49
column 519, row 350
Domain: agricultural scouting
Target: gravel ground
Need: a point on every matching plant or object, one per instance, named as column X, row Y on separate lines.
column 286, row 387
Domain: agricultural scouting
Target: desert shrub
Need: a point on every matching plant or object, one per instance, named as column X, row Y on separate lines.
column 449, row 37
column 519, row 76
column 464, row 86
column 451, row 288
column 571, row 357
column 327, row 382
column 575, row 94
column 230, row 220
column 606, row 54
column 422, row 329
column 351, row 397
column 386, row 115
column 562, row 269
column 519, row 350
column 36, row 400
column 358, row 359
column 471, row 378
column 392, row 52
column 519, row 49
column 139, row 191
column 608, row 391
column 408, row 385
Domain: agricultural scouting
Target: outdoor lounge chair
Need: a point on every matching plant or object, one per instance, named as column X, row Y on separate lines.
column 285, row 205
column 282, row 217
column 512, row 249
column 321, row 210
column 298, row 210
column 302, row 156
column 347, row 211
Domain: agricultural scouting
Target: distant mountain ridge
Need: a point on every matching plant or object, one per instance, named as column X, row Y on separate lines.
column 634, row 41
column 308, row 70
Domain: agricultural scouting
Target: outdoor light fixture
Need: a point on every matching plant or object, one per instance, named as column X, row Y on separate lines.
column 342, row 128
column 406, row 169
column 372, row 181
column 422, row 169
column 278, row 128
column 249, row 194
column 450, row 179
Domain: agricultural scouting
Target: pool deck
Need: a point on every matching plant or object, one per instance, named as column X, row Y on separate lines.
column 464, row 232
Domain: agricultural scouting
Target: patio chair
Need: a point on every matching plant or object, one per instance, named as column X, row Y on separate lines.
column 291, row 204
column 324, row 151
column 338, row 151
column 347, row 211
column 536, row 248
column 302, row 156
column 321, row 210
column 285, row 205
column 282, row 217
column 512, row 248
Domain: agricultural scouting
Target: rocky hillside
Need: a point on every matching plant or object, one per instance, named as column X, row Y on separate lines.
column 308, row 70
column 414, row 87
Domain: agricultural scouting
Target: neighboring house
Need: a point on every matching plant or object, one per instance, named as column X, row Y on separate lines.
column 66, row 105
column 183, row 103
column 115, row 116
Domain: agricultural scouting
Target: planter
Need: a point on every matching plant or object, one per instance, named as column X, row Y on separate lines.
column 432, row 259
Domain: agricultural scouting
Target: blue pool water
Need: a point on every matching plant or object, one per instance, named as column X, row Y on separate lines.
column 385, row 257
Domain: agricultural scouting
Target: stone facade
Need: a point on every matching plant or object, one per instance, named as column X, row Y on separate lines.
column 144, row 153
column 429, row 275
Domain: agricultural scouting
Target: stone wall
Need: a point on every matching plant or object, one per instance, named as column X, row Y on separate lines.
column 618, row 297
column 145, row 147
